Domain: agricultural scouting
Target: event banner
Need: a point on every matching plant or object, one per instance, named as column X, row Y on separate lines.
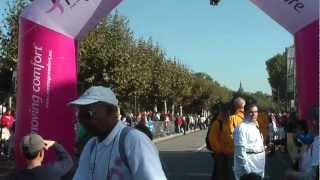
column 293, row 15
column 301, row 19
column 46, row 83
column 307, row 64
column 47, row 74
column 72, row 18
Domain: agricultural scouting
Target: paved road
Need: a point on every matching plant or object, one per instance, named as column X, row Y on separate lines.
column 184, row 161
column 189, row 142
column 183, row 158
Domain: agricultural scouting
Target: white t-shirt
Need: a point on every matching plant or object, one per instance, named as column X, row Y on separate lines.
column 99, row 159
column 5, row 134
column 191, row 120
column 167, row 119
column 202, row 119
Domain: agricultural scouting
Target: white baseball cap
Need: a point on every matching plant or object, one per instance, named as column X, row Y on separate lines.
column 96, row 94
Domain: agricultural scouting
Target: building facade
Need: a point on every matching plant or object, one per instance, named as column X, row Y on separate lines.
column 291, row 78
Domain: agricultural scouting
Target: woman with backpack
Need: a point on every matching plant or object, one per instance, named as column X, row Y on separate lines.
column 220, row 170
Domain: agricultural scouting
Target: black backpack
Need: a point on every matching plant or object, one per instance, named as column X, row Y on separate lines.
column 207, row 137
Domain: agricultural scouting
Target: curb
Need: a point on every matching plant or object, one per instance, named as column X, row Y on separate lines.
column 201, row 148
column 161, row 139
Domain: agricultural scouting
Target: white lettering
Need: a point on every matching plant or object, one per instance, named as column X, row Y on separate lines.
column 37, row 67
column 35, row 108
column 49, row 78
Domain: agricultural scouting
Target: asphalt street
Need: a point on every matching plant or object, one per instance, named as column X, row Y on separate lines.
column 185, row 158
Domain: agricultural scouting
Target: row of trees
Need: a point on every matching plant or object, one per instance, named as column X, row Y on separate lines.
column 138, row 70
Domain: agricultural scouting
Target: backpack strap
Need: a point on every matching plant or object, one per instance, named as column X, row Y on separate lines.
column 122, row 150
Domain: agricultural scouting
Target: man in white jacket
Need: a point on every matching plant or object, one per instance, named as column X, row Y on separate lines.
column 115, row 151
column 249, row 156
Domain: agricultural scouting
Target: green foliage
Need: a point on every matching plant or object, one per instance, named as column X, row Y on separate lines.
column 264, row 101
column 276, row 67
column 9, row 29
column 137, row 70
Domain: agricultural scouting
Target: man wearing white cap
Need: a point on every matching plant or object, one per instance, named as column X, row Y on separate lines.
column 115, row 151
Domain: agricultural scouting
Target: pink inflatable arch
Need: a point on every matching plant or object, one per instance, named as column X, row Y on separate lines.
column 47, row 75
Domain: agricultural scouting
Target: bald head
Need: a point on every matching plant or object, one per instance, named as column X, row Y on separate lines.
column 239, row 103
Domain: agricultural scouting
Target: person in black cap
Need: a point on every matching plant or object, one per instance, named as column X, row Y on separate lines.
column 33, row 148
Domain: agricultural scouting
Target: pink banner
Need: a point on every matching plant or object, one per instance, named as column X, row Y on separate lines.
column 47, row 65
column 73, row 18
column 307, row 64
column 293, row 15
column 300, row 18
column 46, row 82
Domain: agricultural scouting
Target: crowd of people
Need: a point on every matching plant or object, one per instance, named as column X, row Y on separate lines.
column 154, row 124
column 182, row 123
column 7, row 131
column 114, row 151
column 104, row 139
column 241, row 136
column 116, row 146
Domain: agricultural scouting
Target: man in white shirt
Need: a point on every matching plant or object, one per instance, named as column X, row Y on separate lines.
column 249, row 155
column 116, row 151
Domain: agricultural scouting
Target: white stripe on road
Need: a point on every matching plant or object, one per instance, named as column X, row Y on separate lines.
column 200, row 148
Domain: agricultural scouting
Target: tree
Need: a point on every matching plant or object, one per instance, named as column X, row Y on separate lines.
column 9, row 33
column 203, row 75
column 9, row 29
column 137, row 70
column 276, row 67
column 205, row 93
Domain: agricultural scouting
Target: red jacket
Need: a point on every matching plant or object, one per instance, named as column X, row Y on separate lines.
column 179, row 121
column 7, row 121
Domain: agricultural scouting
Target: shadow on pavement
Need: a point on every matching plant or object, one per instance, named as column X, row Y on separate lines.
column 188, row 165
column 184, row 165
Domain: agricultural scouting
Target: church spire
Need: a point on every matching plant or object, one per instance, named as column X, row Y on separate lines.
column 240, row 90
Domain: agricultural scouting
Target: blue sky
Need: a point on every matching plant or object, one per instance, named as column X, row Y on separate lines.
column 230, row 42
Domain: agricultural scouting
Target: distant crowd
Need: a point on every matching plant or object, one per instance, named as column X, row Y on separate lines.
column 240, row 137
column 114, row 146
